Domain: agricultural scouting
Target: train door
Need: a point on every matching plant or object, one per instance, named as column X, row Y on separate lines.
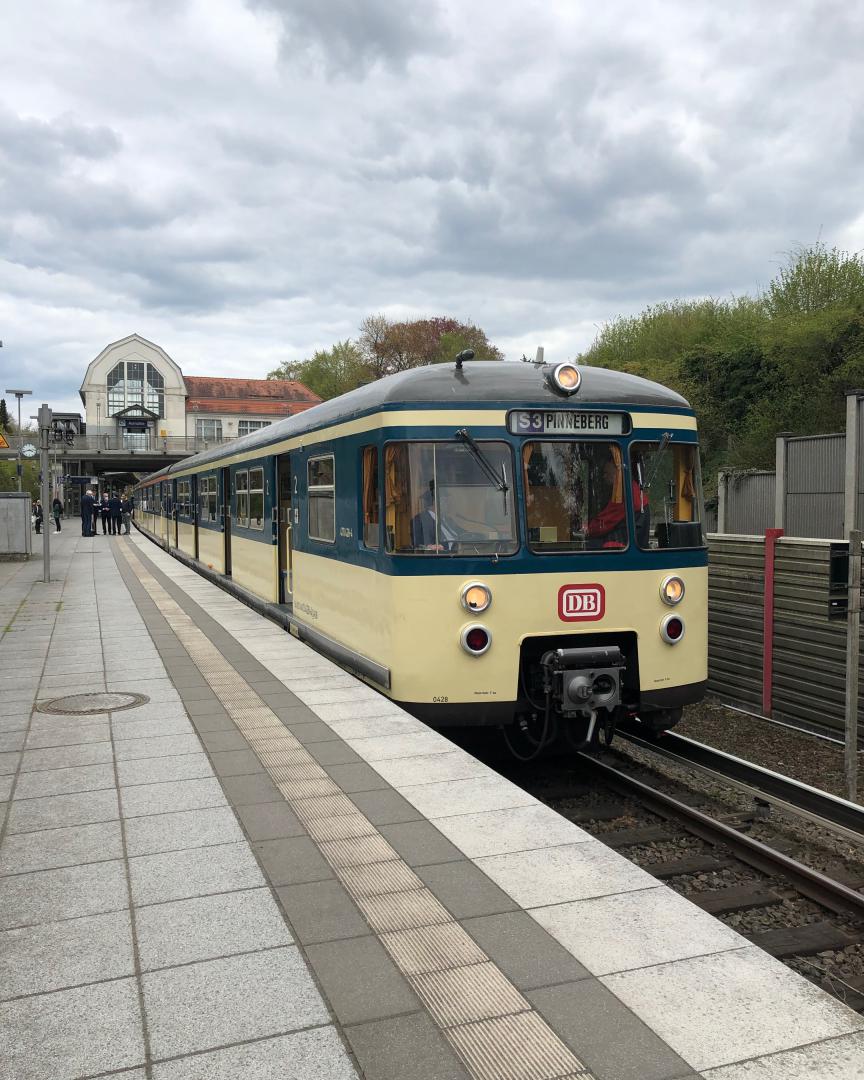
column 283, row 512
column 167, row 508
column 194, row 512
column 225, row 480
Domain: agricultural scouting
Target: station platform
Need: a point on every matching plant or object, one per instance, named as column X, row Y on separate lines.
column 223, row 857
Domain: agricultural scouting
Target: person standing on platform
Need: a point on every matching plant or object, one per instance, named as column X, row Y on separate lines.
column 115, row 506
column 105, row 511
column 87, row 515
column 127, row 514
column 38, row 514
column 96, row 508
column 57, row 512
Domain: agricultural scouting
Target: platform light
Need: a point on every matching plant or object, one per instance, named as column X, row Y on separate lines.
column 475, row 639
column 672, row 590
column 566, row 378
column 475, row 597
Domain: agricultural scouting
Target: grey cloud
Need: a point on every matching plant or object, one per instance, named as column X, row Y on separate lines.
column 352, row 36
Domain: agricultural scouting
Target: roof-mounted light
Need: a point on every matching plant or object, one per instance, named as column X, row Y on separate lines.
column 566, row 378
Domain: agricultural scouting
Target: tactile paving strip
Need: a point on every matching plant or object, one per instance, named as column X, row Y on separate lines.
column 487, row 1021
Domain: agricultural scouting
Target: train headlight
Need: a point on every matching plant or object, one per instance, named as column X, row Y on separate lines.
column 475, row 639
column 672, row 590
column 475, row 597
column 672, row 629
column 566, row 378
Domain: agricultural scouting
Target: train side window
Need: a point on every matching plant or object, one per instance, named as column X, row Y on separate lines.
column 321, row 483
column 256, row 498
column 371, row 498
column 241, row 492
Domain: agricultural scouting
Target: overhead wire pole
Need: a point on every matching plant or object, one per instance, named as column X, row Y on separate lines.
column 45, row 462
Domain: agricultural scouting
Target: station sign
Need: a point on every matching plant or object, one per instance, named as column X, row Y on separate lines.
column 567, row 422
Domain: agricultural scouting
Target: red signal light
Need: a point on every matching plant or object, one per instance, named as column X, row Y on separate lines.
column 476, row 639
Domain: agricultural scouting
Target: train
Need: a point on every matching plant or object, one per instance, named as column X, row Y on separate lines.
column 510, row 544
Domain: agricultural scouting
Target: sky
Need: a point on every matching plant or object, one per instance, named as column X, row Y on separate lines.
column 242, row 181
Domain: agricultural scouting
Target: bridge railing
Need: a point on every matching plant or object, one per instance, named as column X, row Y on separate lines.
column 170, row 445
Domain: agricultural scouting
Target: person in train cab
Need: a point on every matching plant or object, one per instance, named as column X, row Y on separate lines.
column 427, row 532
column 105, row 511
column 87, row 515
column 608, row 529
column 115, row 506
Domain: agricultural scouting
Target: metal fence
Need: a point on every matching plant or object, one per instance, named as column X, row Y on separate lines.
column 816, row 489
column 176, row 445
column 802, row 680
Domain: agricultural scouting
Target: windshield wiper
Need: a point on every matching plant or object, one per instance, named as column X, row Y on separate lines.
column 665, row 439
column 498, row 482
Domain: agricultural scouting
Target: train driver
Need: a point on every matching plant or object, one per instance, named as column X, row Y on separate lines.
column 427, row 531
column 608, row 529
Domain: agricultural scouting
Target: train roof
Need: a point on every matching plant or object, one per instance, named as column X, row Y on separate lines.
column 489, row 383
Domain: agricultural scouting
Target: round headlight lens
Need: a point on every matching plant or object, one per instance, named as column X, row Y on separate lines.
column 672, row 590
column 567, row 378
column 476, row 596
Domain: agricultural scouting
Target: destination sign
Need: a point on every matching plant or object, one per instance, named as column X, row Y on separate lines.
column 567, row 422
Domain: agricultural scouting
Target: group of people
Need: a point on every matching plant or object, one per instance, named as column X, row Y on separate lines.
column 114, row 512
column 39, row 515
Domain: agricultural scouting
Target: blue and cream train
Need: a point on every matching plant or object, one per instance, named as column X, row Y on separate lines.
column 513, row 544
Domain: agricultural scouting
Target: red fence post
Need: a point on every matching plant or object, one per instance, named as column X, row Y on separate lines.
column 771, row 538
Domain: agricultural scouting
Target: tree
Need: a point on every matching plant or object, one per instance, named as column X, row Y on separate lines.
column 4, row 416
column 384, row 348
column 328, row 372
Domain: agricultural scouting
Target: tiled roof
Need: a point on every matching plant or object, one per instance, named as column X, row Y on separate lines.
column 263, row 397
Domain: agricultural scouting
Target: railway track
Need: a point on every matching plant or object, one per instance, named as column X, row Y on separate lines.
column 810, row 919
column 839, row 815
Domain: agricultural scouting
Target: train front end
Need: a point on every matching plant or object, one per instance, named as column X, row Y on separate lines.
column 566, row 569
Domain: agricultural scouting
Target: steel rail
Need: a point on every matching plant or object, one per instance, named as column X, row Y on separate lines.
column 809, row 882
column 830, row 811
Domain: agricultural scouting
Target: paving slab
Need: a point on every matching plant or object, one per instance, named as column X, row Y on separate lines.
column 207, row 927
column 265, row 993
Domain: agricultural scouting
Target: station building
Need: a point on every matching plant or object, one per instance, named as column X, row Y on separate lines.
column 142, row 413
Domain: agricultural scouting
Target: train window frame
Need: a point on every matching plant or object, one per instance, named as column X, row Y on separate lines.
column 318, row 497
column 516, row 538
column 698, row 502
column 370, row 499
column 184, row 497
column 207, row 491
column 612, row 445
column 241, row 518
column 255, row 492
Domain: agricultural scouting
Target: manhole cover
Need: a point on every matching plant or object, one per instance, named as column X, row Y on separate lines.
column 91, row 703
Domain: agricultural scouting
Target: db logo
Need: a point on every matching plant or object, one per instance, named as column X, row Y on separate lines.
column 581, row 603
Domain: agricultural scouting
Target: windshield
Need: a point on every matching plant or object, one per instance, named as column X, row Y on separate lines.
column 668, row 478
column 574, row 496
column 440, row 500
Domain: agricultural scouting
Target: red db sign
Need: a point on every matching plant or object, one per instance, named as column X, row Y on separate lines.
column 581, row 603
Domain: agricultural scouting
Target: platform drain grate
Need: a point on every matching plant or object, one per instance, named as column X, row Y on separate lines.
column 85, row 704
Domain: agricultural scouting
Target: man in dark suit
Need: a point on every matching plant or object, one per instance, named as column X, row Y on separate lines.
column 427, row 530
column 87, row 513
column 115, row 507
column 105, row 512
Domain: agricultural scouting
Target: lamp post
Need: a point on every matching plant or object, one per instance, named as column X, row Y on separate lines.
column 19, row 394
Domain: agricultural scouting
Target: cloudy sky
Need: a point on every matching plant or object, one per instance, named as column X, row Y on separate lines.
column 241, row 181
